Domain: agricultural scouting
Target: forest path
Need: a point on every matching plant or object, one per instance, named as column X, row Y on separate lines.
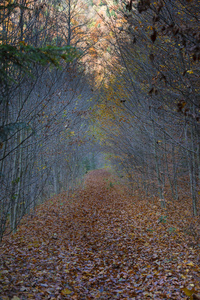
column 98, row 245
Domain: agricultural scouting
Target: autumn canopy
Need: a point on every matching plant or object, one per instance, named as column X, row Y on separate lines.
column 99, row 149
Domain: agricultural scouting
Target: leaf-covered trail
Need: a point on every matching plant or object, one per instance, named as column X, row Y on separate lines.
column 98, row 245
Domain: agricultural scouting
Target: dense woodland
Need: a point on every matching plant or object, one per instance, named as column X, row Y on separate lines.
column 97, row 84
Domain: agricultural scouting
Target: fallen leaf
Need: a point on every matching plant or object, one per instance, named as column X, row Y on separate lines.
column 66, row 292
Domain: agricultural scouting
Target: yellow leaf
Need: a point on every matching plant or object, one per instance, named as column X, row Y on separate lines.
column 67, row 271
column 190, row 71
column 66, row 292
column 188, row 292
column 190, row 264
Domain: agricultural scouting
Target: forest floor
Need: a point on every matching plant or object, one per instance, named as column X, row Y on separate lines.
column 100, row 243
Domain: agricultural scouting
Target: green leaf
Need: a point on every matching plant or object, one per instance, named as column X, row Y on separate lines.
column 23, row 56
column 171, row 229
column 162, row 219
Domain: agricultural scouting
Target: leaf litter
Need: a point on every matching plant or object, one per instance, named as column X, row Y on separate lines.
column 100, row 243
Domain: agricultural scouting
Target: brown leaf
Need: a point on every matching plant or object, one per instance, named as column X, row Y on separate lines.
column 154, row 35
column 129, row 5
column 151, row 91
column 151, row 56
column 143, row 5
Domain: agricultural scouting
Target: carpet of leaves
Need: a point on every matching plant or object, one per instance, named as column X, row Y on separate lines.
column 99, row 243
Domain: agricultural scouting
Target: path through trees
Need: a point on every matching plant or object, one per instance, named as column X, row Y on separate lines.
column 100, row 243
